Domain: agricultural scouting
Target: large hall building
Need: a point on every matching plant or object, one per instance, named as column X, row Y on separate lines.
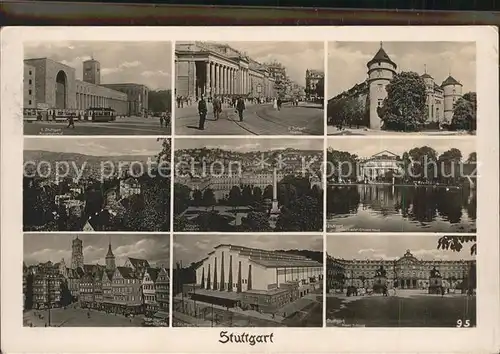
column 258, row 279
column 51, row 85
column 372, row 92
column 208, row 68
column 406, row 272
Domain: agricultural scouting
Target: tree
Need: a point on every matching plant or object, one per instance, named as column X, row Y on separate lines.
column 448, row 164
column 303, row 214
column 257, row 195
column 424, row 166
column 197, row 198
column 209, row 197
column 464, row 112
column 234, row 198
column 66, row 298
column 246, row 195
column 256, row 222
column 341, row 165
column 213, row 221
column 472, row 158
column 160, row 101
column 182, row 197
column 404, row 107
column 456, row 243
column 268, row 192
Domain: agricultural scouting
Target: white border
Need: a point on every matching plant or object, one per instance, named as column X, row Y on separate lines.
column 483, row 339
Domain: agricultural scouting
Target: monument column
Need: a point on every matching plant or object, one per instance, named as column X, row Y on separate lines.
column 275, row 207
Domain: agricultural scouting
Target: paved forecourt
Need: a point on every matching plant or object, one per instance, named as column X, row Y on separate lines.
column 76, row 317
column 258, row 119
column 121, row 126
column 401, row 310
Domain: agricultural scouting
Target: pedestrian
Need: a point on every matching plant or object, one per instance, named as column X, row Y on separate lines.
column 240, row 107
column 217, row 107
column 71, row 121
column 275, row 104
column 278, row 103
column 161, row 120
column 202, row 111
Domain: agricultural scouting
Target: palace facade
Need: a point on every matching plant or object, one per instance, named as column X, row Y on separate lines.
column 440, row 99
column 51, row 85
column 258, row 279
column 407, row 272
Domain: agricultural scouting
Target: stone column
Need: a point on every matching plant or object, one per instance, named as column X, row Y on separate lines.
column 212, row 78
column 207, row 81
column 217, row 81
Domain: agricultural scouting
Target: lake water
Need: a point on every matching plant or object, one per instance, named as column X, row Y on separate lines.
column 385, row 208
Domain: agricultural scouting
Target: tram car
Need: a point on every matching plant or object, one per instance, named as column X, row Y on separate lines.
column 30, row 114
column 100, row 114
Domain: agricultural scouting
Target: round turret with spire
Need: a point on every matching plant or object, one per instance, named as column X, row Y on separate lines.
column 381, row 70
column 452, row 92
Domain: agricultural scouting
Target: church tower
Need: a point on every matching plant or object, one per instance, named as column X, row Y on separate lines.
column 76, row 253
column 92, row 71
column 110, row 260
column 452, row 92
column 381, row 70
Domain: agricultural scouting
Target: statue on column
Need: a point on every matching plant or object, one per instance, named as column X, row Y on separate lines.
column 275, row 211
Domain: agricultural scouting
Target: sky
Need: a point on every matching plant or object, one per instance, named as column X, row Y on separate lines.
column 297, row 57
column 391, row 247
column 371, row 146
column 193, row 248
column 347, row 62
column 147, row 63
column 97, row 146
column 242, row 144
column 43, row 247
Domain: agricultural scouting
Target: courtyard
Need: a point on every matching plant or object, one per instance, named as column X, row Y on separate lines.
column 77, row 317
column 402, row 310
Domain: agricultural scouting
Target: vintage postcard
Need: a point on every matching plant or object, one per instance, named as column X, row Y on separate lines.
column 250, row 189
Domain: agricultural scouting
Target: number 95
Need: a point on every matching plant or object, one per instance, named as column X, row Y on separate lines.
column 463, row 324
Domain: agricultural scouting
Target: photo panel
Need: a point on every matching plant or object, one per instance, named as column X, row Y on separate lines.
column 249, row 88
column 401, row 185
column 401, row 281
column 97, row 88
column 401, row 88
column 98, row 280
column 96, row 184
column 248, row 185
column 247, row 280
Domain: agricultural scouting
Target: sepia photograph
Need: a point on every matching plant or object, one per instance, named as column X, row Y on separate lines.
column 248, row 185
column 100, row 280
column 247, row 281
column 96, row 184
column 249, row 88
column 419, row 88
column 401, row 185
column 401, row 281
column 97, row 88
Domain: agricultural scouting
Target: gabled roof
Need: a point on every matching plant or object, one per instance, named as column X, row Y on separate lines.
column 450, row 80
column 138, row 263
column 153, row 273
column 426, row 76
column 381, row 56
column 126, row 272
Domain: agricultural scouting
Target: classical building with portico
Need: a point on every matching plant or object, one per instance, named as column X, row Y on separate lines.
column 207, row 68
column 406, row 272
column 379, row 165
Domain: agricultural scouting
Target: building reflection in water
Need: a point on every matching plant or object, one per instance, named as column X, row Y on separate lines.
column 401, row 208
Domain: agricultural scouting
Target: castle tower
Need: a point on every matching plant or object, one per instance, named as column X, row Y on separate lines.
column 381, row 70
column 429, row 90
column 110, row 260
column 452, row 92
column 76, row 253
column 92, row 71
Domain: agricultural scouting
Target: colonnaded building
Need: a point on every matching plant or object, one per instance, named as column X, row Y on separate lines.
column 264, row 280
column 372, row 92
column 210, row 69
column 407, row 272
column 49, row 85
